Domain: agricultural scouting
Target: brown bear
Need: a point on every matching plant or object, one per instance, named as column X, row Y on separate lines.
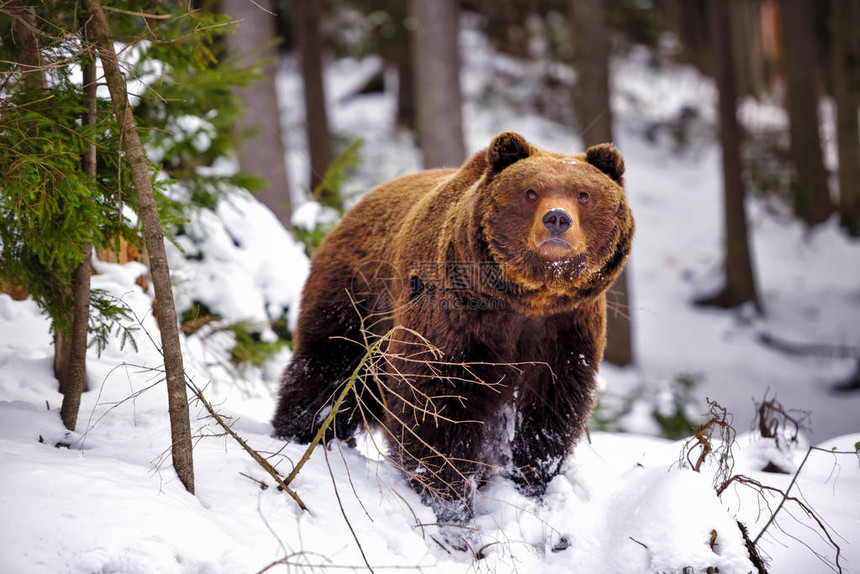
column 502, row 266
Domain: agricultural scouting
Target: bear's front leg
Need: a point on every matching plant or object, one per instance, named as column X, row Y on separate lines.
column 438, row 446
column 548, row 424
column 537, row 452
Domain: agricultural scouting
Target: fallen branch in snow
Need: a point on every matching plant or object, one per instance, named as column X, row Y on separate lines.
column 263, row 485
column 808, row 349
column 253, row 453
column 719, row 423
column 348, row 387
column 752, row 551
column 786, row 497
column 780, row 424
column 773, row 422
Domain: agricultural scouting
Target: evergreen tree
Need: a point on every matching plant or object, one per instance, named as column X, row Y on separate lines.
column 53, row 206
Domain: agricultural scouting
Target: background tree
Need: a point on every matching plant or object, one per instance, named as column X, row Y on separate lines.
column 396, row 47
column 846, row 80
column 437, row 65
column 263, row 152
column 308, row 20
column 506, row 24
column 812, row 202
column 594, row 113
column 739, row 283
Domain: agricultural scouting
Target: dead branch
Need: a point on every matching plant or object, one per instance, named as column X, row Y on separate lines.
column 719, row 423
column 335, row 408
column 263, row 485
column 784, row 496
column 752, row 551
column 251, row 452
column 776, row 422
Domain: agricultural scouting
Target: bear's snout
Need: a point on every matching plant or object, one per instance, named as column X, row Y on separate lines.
column 557, row 221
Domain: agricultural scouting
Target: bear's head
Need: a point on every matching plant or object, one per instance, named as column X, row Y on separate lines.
column 558, row 224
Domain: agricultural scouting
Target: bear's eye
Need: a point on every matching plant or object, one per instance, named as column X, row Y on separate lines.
column 531, row 195
column 582, row 197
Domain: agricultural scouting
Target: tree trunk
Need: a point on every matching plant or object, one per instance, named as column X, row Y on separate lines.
column 591, row 92
column 740, row 284
column 24, row 27
column 437, row 67
column 594, row 113
column 406, row 96
column 846, row 74
column 165, row 312
column 812, row 201
column 747, row 47
column 505, row 25
column 308, row 18
column 263, row 153
column 689, row 19
column 76, row 369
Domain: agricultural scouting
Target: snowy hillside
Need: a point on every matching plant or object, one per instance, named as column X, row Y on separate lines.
column 105, row 498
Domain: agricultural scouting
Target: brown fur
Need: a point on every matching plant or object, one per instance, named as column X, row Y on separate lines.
column 465, row 237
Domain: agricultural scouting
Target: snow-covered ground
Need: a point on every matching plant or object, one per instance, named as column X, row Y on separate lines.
column 110, row 502
column 105, row 498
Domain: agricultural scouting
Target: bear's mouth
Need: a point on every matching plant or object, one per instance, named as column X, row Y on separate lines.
column 555, row 248
column 554, row 241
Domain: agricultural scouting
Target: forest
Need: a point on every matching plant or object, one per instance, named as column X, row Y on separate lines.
column 168, row 169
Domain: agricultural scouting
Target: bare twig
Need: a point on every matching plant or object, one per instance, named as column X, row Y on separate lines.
column 343, row 512
column 263, row 485
column 253, row 453
column 719, row 423
column 335, row 408
column 141, row 14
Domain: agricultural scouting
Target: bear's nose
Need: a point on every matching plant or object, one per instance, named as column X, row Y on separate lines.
column 557, row 221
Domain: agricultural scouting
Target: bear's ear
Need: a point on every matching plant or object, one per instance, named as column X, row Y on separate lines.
column 607, row 159
column 506, row 149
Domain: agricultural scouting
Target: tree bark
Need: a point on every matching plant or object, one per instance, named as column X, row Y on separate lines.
column 165, row 312
column 76, row 368
column 308, row 18
column 594, row 113
column 24, row 28
column 846, row 75
column 264, row 152
column 740, row 286
column 402, row 54
column 690, row 20
column 812, row 202
column 437, row 66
